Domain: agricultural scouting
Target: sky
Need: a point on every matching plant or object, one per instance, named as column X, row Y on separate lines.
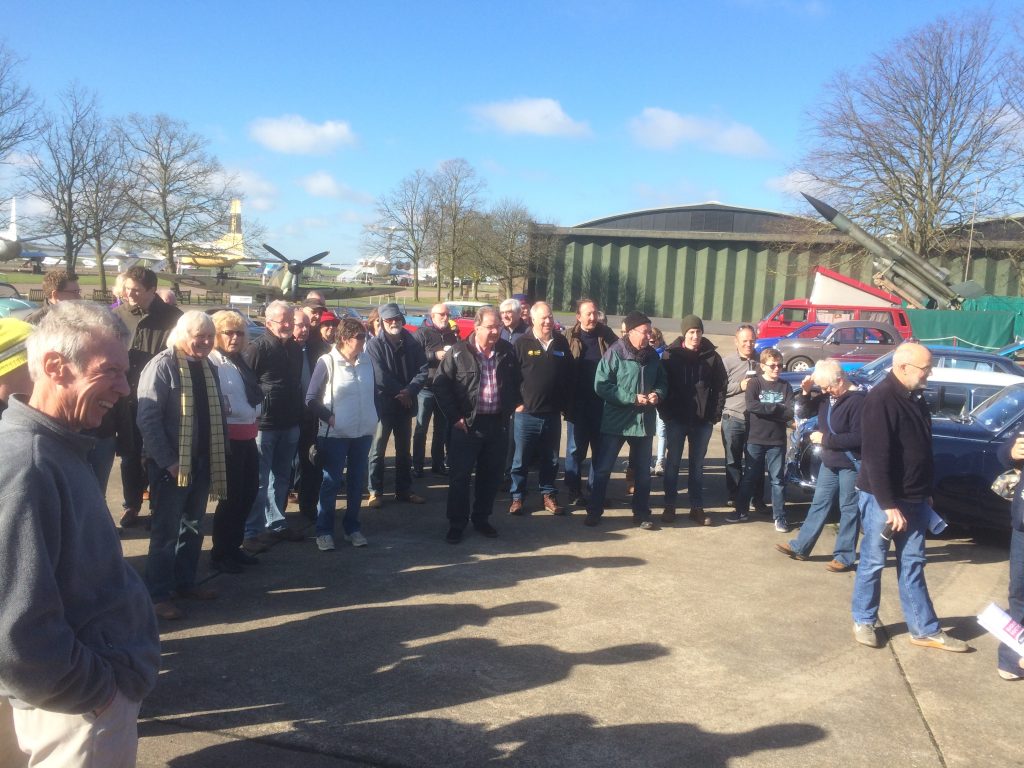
column 579, row 109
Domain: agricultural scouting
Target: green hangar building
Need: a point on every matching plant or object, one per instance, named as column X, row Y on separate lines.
column 717, row 261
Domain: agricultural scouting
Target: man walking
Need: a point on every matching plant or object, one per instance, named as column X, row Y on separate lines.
column 631, row 381
column 436, row 337
column 476, row 387
column 741, row 366
column 588, row 340
column 400, row 370
column 545, row 391
column 80, row 648
column 895, row 484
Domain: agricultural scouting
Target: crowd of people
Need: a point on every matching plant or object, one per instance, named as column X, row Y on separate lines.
column 198, row 412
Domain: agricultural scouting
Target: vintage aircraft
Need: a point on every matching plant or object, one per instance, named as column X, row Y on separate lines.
column 12, row 246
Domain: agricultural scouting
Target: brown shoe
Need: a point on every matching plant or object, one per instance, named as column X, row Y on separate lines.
column 198, row 593
column 166, row 609
column 374, row 502
column 837, row 567
column 669, row 515
column 254, row 546
column 410, row 498
column 552, row 506
column 788, row 551
column 699, row 517
column 516, row 507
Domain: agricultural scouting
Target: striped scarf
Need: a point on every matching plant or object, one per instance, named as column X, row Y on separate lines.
column 218, row 467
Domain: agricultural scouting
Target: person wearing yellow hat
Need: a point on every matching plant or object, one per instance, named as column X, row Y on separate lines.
column 14, row 377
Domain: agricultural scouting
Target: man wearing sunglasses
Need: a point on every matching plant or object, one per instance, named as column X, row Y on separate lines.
column 769, row 404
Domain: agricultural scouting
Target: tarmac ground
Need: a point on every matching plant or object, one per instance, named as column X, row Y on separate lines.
column 561, row 645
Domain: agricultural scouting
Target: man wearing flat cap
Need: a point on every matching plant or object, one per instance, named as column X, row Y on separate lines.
column 400, row 371
column 632, row 382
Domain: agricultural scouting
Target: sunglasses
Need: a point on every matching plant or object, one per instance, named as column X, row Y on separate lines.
column 772, row 365
column 359, row 337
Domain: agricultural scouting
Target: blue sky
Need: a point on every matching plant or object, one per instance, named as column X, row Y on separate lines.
column 579, row 109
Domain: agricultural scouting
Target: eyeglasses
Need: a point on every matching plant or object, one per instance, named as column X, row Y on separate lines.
column 922, row 368
column 359, row 337
column 772, row 365
column 394, row 320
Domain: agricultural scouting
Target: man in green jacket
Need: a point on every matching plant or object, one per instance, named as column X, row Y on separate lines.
column 631, row 381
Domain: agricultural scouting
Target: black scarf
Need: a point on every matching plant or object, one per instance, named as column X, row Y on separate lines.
column 253, row 391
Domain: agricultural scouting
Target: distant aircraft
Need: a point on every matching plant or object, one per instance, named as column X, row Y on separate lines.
column 12, row 246
column 226, row 251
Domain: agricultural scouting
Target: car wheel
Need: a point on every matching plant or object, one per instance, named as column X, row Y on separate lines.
column 799, row 364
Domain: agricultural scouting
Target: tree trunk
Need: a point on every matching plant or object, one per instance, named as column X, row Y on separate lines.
column 99, row 265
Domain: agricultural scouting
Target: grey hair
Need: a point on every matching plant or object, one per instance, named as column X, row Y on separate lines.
column 70, row 328
column 190, row 322
column 275, row 305
column 508, row 305
column 485, row 310
column 828, row 373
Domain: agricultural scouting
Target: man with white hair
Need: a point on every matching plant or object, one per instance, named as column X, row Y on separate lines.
column 276, row 359
column 436, row 336
column 895, row 483
column 80, row 648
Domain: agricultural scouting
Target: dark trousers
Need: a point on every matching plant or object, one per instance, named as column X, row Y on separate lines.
column 734, row 441
column 607, row 453
column 177, row 535
column 586, row 431
column 307, row 477
column 426, row 410
column 481, row 449
column 134, row 476
column 397, row 422
column 243, row 477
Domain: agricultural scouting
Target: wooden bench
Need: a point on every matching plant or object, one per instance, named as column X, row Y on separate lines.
column 103, row 297
column 215, row 297
column 185, row 297
column 35, row 294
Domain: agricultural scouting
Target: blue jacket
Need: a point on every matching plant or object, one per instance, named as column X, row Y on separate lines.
column 387, row 380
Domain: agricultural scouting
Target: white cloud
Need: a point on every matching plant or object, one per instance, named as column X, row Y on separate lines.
column 294, row 135
column 260, row 194
column 795, row 182
column 657, row 128
column 537, row 117
column 323, row 184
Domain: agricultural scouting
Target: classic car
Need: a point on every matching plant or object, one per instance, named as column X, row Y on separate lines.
column 854, row 341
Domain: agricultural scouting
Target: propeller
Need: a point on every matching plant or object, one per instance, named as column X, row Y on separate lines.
column 295, row 267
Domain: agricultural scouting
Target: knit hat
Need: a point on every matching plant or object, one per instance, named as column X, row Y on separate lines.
column 13, row 333
column 389, row 311
column 635, row 318
column 691, row 321
column 328, row 318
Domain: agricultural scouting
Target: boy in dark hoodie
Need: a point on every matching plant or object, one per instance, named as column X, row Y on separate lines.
column 770, row 409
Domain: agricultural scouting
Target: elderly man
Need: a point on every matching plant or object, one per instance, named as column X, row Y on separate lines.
column 305, row 477
column 741, row 366
column 58, row 285
column 631, row 381
column 588, row 340
column 546, row 370
column 400, row 370
column 512, row 327
column 436, row 336
column 149, row 319
column 80, row 648
column 182, row 423
column 476, row 387
column 895, row 484
column 277, row 361
column 838, row 408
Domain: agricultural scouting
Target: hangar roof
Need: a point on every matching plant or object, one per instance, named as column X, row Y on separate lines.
column 704, row 217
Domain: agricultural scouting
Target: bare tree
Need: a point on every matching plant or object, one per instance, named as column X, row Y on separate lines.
column 180, row 191
column 19, row 112
column 68, row 150
column 455, row 192
column 404, row 225
column 923, row 138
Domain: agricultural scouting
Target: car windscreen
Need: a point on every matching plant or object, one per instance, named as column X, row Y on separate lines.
column 872, row 373
column 1001, row 410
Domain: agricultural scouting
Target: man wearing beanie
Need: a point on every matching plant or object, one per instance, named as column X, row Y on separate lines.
column 696, row 395
column 14, row 378
column 399, row 371
column 631, row 381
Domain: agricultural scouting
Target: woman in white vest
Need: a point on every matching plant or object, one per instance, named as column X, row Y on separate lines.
column 341, row 396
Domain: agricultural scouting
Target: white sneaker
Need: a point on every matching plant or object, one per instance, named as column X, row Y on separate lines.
column 325, row 543
column 659, row 469
column 356, row 539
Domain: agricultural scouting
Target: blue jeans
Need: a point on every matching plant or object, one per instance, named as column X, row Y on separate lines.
column 583, row 433
column 481, row 450
column 426, row 407
column 277, row 449
column 660, row 433
column 537, row 437
column 1008, row 658
column 734, row 440
column 832, row 484
column 607, row 453
column 699, row 435
column 177, row 534
column 340, row 453
column 756, row 459
column 910, row 560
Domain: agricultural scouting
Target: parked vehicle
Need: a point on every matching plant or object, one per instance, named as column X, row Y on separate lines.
column 805, row 331
column 855, row 342
column 973, row 413
column 793, row 313
column 462, row 313
column 14, row 304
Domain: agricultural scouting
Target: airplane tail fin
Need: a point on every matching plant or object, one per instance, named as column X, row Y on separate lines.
column 12, row 229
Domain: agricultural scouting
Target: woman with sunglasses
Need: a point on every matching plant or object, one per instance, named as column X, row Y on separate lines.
column 341, row 396
column 769, row 404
